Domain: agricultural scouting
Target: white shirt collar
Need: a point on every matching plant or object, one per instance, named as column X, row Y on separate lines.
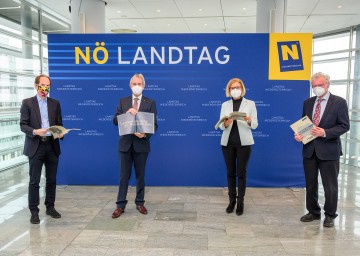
column 40, row 99
column 139, row 97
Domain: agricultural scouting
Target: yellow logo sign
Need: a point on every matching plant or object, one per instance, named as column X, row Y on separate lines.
column 290, row 56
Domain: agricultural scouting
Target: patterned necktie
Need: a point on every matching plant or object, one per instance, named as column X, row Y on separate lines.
column 136, row 105
column 316, row 118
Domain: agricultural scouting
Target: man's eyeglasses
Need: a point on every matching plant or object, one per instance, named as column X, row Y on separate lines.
column 136, row 84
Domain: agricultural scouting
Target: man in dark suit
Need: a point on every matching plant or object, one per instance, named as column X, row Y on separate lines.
column 37, row 114
column 133, row 148
column 329, row 113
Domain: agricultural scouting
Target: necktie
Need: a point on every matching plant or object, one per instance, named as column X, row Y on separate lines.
column 136, row 105
column 316, row 118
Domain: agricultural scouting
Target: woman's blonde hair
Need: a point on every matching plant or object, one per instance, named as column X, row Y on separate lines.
column 234, row 80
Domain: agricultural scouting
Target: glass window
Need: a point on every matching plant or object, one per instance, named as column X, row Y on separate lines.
column 355, row 68
column 336, row 65
column 334, row 56
column 337, row 69
column 53, row 25
column 354, row 95
column 339, row 89
column 352, row 153
column 331, row 43
column 354, row 41
column 20, row 63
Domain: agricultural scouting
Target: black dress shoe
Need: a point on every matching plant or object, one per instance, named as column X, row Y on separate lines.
column 230, row 207
column 35, row 218
column 240, row 209
column 309, row 217
column 328, row 222
column 53, row 213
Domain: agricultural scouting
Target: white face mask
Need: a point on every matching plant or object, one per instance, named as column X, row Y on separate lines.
column 137, row 89
column 235, row 93
column 318, row 91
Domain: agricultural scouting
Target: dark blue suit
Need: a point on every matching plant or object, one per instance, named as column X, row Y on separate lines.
column 133, row 150
column 323, row 154
column 39, row 152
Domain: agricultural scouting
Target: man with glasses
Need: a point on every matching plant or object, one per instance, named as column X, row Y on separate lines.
column 37, row 114
column 133, row 148
column 329, row 113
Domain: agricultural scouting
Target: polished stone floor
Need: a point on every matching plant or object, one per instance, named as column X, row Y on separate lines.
column 181, row 221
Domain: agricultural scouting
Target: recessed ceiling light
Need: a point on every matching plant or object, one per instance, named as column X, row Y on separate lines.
column 169, row 24
column 134, row 25
column 339, row 6
column 205, row 24
column 118, row 11
column 244, row 9
column 123, row 30
column 200, row 10
column 9, row 8
column 157, row 10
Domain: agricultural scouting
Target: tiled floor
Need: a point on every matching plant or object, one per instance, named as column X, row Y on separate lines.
column 181, row 221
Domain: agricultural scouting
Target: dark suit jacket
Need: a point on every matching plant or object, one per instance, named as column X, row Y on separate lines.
column 125, row 141
column 30, row 119
column 335, row 122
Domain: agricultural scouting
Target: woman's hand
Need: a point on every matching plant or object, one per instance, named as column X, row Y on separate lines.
column 248, row 120
column 228, row 122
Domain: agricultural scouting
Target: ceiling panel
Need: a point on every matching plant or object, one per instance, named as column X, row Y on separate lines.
column 303, row 7
column 235, row 8
column 331, row 7
column 294, row 24
column 322, row 23
column 121, row 10
column 156, row 8
column 240, row 24
column 199, row 8
column 179, row 16
column 206, row 25
column 169, row 25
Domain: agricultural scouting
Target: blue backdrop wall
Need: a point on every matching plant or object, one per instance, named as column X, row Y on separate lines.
column 186, row 74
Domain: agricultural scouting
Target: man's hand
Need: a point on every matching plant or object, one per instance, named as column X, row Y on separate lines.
column 139, row 135
column 298, row 137
column 133, row 111
column 40, row 132
column 318, row 132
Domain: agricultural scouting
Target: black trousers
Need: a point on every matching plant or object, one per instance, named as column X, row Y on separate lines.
column 236, row 159
column 127, row 159
column 329, row 171
column 45, row 155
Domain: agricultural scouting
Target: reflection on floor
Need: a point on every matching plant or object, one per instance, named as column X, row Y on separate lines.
column 181, row 221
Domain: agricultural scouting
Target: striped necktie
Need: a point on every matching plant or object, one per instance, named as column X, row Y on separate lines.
column 136, row 104
column 316, row 118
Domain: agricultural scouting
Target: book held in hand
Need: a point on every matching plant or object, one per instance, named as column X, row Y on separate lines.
column 142, row 122
column 234, row 115
column 56, row 130
column 303, row 127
